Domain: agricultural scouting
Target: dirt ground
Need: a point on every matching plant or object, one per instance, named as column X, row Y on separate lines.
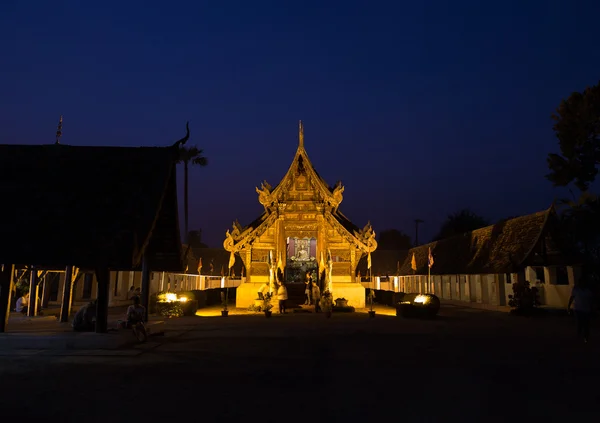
column 466, row 365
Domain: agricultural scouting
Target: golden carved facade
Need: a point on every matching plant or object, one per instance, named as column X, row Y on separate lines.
column 301, row 207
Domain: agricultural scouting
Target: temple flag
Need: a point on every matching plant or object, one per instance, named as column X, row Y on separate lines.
column 413, row 263
column 222, row 271
column 199, row 265
column 430, row 259
column 186, row 268
column 231, row 260
column 280, row 263
column 270, row 258
column 369, row 261
column 322, row 263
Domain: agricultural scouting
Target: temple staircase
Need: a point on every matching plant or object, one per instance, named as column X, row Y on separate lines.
column 295, row 295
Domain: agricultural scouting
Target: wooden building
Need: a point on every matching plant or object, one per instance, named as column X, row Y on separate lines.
column 86, row 209
column 480, row 266
column 302, row 230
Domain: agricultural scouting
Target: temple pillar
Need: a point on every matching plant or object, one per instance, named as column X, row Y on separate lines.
column 67, row 295
column 114, row 288
column 126, row 285
column 78, row 287
column 45, row 290
column 94, row 283
column 145, row 294
column 6, row 279
column 33, row 291
column 102, row 295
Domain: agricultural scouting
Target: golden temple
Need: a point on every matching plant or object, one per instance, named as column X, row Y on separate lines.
column 301, row 231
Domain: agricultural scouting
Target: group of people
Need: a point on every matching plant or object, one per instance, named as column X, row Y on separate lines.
column 312, row 293
column 85, row 318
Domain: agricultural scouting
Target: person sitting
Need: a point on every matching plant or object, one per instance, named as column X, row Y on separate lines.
column 22, row 304
column 263, row 290
column 85, row 318
column 135, row 312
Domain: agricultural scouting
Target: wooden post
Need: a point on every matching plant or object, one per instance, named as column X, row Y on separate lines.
column 103, row 278
column 145, row 300
column 32, row 306
column 67, row 295
column 46, row 289
column 6, row 276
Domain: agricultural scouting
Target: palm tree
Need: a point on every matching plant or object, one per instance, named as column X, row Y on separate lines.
column 188, row 155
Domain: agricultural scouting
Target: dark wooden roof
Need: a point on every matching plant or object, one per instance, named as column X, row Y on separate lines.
column 219, row 257
column 506, row 247
column 89, row 206
column 345, row 222
column 383, row 262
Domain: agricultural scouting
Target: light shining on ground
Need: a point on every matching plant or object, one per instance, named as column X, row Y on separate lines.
column 207, row 312
column 216, row 312
column 381, row 311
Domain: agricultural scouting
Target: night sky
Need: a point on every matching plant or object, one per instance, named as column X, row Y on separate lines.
column 420, row 108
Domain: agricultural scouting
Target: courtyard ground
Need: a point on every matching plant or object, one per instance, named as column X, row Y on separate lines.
column 466, row 365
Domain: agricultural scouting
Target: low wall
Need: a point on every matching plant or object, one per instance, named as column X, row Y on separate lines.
column 246, row 293
column 476, row 290
column 353, row 292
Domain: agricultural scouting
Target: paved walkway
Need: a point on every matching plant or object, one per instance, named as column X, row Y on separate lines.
column 467, row 365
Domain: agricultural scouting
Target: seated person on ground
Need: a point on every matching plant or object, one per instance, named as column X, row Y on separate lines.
column 85, row 318
column 22, row 304
column 135, row 312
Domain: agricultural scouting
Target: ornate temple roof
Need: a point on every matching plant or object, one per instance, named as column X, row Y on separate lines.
column 89, row 206
column 329, row 198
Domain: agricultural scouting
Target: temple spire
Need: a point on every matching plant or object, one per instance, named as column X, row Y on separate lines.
column 59, row 130
column 300, row 134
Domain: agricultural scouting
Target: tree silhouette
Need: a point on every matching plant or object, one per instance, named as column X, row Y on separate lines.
column 460, row 222
column 577, row 128
column 581, row 222
column 393, row 239
column 194, row 156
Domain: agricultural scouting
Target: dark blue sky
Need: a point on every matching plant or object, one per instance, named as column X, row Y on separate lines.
column 420, row 108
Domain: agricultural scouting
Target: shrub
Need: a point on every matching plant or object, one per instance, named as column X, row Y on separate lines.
column 171, row 309
column 524, row 298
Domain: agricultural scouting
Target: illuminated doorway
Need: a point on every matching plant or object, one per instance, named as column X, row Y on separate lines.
column 301, row 259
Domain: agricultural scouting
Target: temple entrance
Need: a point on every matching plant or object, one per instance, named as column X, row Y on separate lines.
column 301, row 258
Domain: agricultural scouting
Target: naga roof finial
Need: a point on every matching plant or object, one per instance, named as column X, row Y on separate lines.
column 300, row 134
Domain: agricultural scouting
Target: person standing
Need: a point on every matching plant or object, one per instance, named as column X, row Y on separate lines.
column 583, row 297
column 282, row 296
column 316, row 296
column 308, row 289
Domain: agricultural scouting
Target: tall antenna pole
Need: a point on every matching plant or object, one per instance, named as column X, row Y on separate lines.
column 417, row 221
column 59, row 131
